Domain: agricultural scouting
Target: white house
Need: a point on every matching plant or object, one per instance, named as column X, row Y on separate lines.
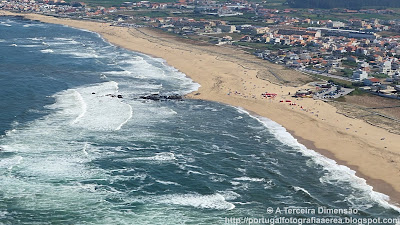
column 360, row 75
column 386, row 68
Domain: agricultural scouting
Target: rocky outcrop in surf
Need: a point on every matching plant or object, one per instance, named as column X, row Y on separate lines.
column 158, row 97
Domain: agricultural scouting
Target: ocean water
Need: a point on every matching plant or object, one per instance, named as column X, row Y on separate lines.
column 72, row 154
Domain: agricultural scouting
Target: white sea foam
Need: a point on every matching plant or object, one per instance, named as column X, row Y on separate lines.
column 79, row 54
column 63, row 39
column 149, row 87
column 145, row 67
column 122, row 72
column 167, row 182
column 229, row 135
column 51, row 167
column 215, row 201
column 142, row 67
column 34, row 25
column 89, row 31
column 74, row 42
column 36, row 38
column 30, row 46
column 47, row 51
column 99, row 110
column 216, row 179
column 83, row 105
column 47, row 195
column 85, row 147
column 46, row 151
column 3, row 214
column 93, row 107
column 8, row 132
column 34, row 111
column 5, row 24
column 162, row 156
column 301, row 189
column 9, row 163
column 130, row 113
column 54, row 153
column 338, row 174
column 249, row 179
column 54, row 43
column 229, row 195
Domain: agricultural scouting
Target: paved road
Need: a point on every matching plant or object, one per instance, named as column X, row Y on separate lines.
column 333, row 93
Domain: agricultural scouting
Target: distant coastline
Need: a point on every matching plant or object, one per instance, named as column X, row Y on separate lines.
column 373, row 152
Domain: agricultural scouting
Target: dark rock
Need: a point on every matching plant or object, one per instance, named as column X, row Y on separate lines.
column 174, row 97
column 155, row 97
column 158, row 97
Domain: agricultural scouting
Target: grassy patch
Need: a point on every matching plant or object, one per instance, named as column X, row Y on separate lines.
column 358, row 91
column 252, row 45
column 381, row 75
column 347, row 72
column 277, row 47
column 341, row 99
column 349, row 63
column 275, row 4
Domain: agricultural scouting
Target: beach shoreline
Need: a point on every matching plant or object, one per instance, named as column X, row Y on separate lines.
column 372, row 152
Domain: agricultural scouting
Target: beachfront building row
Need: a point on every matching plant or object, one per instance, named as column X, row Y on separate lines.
column 322, row 48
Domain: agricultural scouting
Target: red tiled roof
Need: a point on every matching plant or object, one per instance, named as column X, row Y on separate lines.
column 374, row 80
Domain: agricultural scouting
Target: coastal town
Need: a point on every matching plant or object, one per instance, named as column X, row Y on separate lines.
column 364, row 52
column 154, row 89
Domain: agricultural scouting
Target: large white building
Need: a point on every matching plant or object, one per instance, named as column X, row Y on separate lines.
column 387, row 68
column 360, row 75
column 336, row 24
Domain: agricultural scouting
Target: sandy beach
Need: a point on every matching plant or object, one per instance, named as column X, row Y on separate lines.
column 233, row 77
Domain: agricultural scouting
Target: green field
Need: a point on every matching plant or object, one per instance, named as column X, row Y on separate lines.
column 275, row 4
